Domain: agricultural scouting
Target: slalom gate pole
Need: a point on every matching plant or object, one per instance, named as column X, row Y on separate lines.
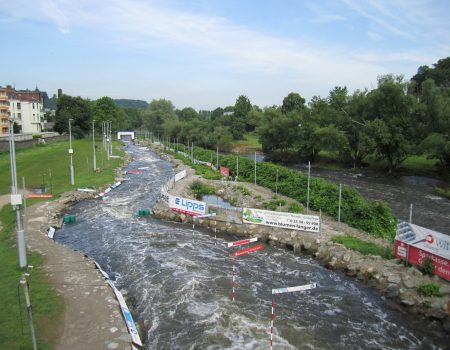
column 282, row 291
column 234, row 279
column 271, row 322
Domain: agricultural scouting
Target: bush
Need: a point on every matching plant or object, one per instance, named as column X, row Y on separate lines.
column 364, row 247
column 296, row 208
column 200, row 189
column 36, row 136
column 428, row 266
column 430, row 290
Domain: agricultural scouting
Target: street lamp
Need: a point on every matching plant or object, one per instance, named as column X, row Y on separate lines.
column 16, row 199
column 93, row 144
column 72, row 179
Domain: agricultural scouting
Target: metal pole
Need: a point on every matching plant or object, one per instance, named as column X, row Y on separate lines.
column 276, row 184
column 93, row 145
column 192, row 152
column 255, row 168
column 21, row 247
column 340, row 201
column 24, row 284
column 24, row 196
column 237, row 167
column 217, row 157
column 72, row 177
column 410, row 213
column 307, row 196
column 110, row 138
column 107, row 138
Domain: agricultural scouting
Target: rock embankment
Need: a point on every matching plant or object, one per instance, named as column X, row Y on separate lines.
column 391, row 277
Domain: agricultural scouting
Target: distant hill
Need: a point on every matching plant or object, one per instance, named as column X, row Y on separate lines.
column 126, row 103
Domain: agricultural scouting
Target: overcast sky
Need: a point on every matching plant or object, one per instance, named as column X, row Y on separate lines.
column 205, row 53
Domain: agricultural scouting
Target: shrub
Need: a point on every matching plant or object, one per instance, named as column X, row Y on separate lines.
column 430, row 290
column 296, row 208
column 200, row 189
column 428, row 266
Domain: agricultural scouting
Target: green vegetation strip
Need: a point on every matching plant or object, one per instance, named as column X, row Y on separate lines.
column 39, row 162
column 365, row 248
column 430, row 290
column 200, row 189
column 47, row 303
column 373, row 217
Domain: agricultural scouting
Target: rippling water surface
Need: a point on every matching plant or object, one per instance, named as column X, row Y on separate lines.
column 179, row 282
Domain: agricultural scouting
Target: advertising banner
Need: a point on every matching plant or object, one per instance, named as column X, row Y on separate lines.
column 224, row 171
column 290, row 221
column 187, row 206
column 180, row 175
column 415, row 243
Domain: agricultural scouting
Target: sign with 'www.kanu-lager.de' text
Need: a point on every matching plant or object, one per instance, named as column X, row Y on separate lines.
column 187, row 206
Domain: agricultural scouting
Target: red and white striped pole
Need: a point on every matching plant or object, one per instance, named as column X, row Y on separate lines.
column 234, row 280
column 271, row 323
column 281, row 291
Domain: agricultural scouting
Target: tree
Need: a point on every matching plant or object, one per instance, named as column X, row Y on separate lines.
column 293, row 102
column 187, row 114
column 437, row 146
column 237, row 120
column 392, row 125
column 77, row 109
column 106, row 109
column 157, row 113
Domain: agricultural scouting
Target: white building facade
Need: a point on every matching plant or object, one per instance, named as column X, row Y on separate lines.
column 27, row 110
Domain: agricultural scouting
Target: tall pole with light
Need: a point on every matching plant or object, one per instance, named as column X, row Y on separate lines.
column 16, row 199
column 93, row 145
column 72, row 176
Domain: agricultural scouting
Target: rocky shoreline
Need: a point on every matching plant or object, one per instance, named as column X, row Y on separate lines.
column 394, row 280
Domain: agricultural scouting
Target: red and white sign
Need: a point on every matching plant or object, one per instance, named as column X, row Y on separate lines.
column 224, row 171
column 415, row 243
column 244, row 241
column 36, row 195
column 248, row 250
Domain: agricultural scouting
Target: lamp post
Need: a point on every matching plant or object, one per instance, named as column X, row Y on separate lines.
column 16, row 199
column 72, row 179
column 93, row 144
column 309, row 179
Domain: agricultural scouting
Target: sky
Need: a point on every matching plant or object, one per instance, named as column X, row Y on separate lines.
column 205, row 53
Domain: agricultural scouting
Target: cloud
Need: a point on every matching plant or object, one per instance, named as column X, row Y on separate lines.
column 323, row 15
column 374, row 36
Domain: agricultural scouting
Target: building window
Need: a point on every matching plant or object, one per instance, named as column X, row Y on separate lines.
column 33, row 105
column 18, row 105
column 19, row 116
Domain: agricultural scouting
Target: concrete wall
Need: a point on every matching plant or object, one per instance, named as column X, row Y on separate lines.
column 28, row 141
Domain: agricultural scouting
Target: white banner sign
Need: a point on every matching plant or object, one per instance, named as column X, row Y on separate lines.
column 180, row 175
column 290, row 221
column 293, row 289
column 431, row 241
column 187, row 206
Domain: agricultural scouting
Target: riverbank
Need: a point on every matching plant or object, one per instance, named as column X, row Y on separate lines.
column 92, row 317
column 399, row 283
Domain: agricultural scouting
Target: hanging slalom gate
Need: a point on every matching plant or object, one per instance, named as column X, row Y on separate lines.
column 239, row 253
column 281, row 291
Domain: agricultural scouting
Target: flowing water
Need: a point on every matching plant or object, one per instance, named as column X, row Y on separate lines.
column 179, row 282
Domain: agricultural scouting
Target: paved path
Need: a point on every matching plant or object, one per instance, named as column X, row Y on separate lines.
column 92, row 317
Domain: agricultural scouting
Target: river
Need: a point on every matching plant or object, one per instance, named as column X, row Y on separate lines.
column 179, row 282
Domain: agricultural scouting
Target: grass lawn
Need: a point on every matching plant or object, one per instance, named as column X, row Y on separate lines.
column 47, row 304
column 37, row 163
column 250, row 143
column 364, row 247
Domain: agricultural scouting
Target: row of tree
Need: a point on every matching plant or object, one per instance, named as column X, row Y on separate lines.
column 397, row 119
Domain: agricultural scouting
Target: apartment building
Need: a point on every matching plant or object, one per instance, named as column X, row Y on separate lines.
column 25, row 107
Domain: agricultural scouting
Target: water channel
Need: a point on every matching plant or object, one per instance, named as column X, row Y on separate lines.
column 179, row 282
